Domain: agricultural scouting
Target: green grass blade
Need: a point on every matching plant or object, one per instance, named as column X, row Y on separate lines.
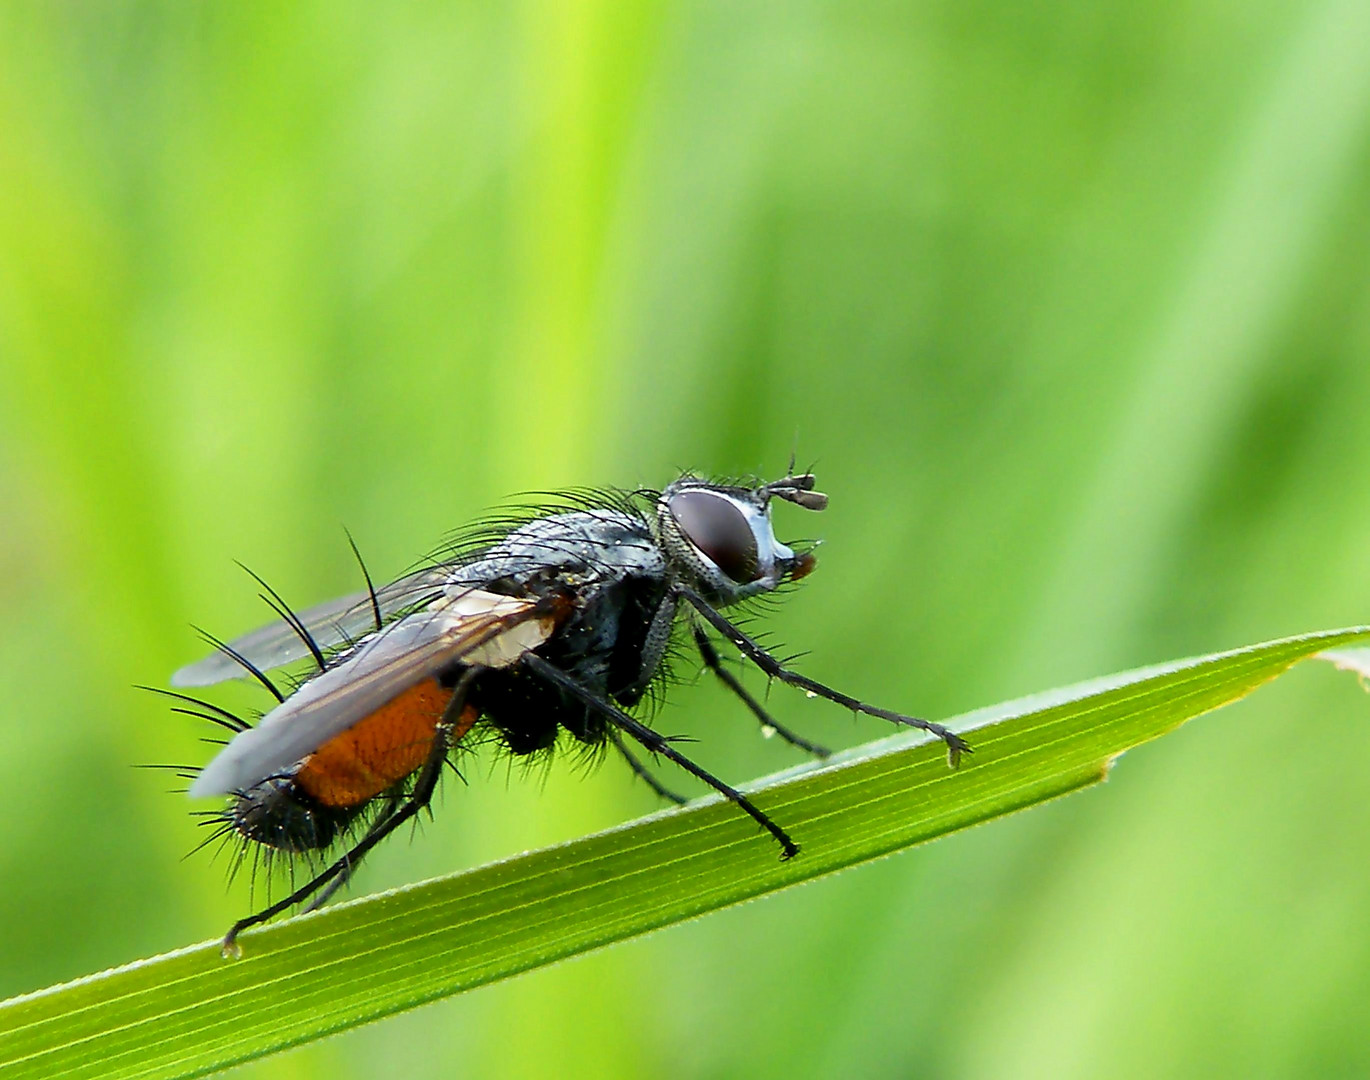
column 190, row 1012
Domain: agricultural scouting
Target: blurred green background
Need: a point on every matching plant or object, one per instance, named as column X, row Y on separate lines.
column 1069, row 305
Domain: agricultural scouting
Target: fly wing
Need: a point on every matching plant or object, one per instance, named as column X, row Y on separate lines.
column 475, row 627
column 330, row 624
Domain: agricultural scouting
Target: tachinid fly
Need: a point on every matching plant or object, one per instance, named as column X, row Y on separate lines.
column 558, row 619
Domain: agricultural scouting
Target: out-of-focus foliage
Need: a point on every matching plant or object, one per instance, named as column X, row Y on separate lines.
column 1069, row 304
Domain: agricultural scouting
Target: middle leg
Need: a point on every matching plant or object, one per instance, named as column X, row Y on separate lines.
column 715, row 664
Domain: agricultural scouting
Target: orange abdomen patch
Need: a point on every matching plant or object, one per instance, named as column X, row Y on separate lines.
column 378, row 752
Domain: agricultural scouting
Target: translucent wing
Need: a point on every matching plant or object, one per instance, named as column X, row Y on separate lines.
column 476, row 627
column 331, row 623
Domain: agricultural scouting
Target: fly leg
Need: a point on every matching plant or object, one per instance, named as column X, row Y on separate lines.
column 344, row 875
column 956, row 746
column 642, row 771
column 655, row 743
column 715, row 664
column 392, row 818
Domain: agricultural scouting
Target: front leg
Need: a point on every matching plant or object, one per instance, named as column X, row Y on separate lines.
column 956, row 746
column 653, row 648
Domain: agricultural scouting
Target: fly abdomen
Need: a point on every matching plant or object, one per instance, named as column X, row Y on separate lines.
column 281, row 815
column 380, row 751
column 306, row 810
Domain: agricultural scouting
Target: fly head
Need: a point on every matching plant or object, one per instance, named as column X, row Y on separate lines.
column 719, row 537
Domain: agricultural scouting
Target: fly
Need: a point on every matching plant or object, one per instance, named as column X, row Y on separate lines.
column 558, row 620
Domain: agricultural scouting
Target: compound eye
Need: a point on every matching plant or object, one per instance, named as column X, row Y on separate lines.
column 719, row 529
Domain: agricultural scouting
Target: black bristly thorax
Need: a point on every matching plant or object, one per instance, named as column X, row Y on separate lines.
column 608, row 564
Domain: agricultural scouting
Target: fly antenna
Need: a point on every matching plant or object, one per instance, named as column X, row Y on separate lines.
column 281, row 608
column 370, row 588
column 798, row 489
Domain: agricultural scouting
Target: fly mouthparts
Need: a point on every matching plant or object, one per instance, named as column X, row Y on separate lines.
column 804, row 563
